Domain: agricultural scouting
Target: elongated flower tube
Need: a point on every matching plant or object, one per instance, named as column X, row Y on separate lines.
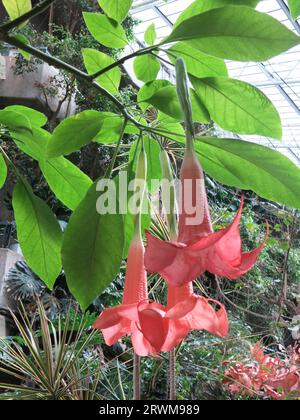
column 123, row 320
column 198, row 248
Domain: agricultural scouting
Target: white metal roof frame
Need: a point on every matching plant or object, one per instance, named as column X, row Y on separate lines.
column 278, row 78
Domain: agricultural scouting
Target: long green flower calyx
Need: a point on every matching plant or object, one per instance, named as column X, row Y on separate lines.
column 183, row 93
column 140, row 186
column 169, row 194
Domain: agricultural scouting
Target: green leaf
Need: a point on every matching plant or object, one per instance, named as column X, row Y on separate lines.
column 95, row 61
column 146, row 67
column 150, row 35
column 3, row 170
column 17, row 8
column 68, row 182
column 36, row 118
column 34, row 144
column 166, row 100
column 15, row 120
column 294, row 6
column 39, row 233
column 74, row 132
column 238, row 107
column 205, row 5
column 170, row 127
column 116, row 9
column 249, row 166
column 197, row 63
column 92, row 249
column 235, row 32
column 110, row 129
column 148, row 90
column 105, row 30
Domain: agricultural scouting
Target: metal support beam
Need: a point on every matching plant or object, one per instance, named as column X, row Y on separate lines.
column 277, row 82
column 280, row 88
column 294, row 154
column 143, row 5
column 287, row 12
column 163, row 16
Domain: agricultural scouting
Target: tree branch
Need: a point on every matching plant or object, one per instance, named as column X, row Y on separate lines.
column 52, row 61
column 35, row 11
column 123, row 60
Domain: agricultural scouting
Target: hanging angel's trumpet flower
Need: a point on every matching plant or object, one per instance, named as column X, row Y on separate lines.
column 185, row 310
column 198, row 248
column 123, row 320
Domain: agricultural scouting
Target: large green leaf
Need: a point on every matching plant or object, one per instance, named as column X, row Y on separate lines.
column 148, row 90
column 150, row 35
column 112, row 126
column 249, row 166
column 68, row 182
column 34, row 144
column 166, row 100
column 17, row 8
column 201, row 6
column 146, row 68
column 74, row 132
column 36, row 118
column 94, row 61
column 92, row 249
column 116, row 9
column 197, row 63
column 238, row 107
column 235, row 32
column 15, row 120
column 105, row 30
column 39, row 233
column 3, row 170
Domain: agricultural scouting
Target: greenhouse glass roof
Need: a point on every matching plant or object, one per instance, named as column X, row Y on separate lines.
column 278, row 78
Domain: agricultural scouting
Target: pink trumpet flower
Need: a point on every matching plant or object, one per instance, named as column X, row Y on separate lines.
column 185, row 312
column 199, row 248
column 123, row 320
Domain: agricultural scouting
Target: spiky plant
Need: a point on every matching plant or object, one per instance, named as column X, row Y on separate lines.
column 54, row 364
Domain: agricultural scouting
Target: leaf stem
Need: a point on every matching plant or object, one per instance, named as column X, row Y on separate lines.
column 116, row 151
column 9, row 162
column 52, row 61
column 136, row 377
column 172, row 374
column 162, row 59
column 123, row 60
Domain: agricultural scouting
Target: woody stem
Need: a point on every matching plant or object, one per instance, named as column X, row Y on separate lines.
column 172, row 374
column 136, row 377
